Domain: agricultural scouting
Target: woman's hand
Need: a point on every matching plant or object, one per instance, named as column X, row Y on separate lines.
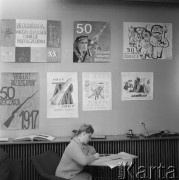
column 96, row 156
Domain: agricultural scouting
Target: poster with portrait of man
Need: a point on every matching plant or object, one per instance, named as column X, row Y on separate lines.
column 19, row 100
column 97, row 91
column 92, row 42
column 151, row 41
column 62, row 95
column 137, row 86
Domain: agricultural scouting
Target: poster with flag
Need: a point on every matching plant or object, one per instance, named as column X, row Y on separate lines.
column 19, row 100
column 62, row 95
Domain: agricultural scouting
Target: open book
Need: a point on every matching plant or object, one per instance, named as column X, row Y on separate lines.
column 113, row 160
column 4, row 139
column 39, row 137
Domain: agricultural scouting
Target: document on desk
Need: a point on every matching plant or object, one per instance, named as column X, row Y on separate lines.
column 122, row 155
column 114, row 160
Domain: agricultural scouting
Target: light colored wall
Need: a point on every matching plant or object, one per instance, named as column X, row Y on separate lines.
column 160, row 113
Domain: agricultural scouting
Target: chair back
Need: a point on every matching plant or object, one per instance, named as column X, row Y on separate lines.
column 10, row 169
column 15, row 169
column 46, row 162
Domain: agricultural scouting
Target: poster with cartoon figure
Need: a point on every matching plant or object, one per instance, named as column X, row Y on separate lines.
column 152, row 41
column 137, row 85
column 19, row 100
column 62, row 95
column 92, row 42
column 97, row 91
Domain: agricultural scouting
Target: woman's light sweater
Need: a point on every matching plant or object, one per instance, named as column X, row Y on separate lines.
column 75, row 157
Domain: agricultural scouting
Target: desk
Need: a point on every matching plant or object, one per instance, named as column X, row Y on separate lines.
column 121, row 160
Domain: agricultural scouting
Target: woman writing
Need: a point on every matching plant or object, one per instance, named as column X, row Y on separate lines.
column 77, row 155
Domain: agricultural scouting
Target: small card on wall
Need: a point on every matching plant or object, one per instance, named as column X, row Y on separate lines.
column 26, row 40
column 137, row 86
column 92, row 42
column 19, row 100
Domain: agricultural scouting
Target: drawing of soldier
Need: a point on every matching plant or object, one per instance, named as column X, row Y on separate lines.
column 158, row 40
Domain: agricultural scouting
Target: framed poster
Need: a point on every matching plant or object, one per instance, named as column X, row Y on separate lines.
column 152, row 41
column 27, row 40
column 97, row 91
column 62, row 95
column 137, row 86
column 19, row 100
column 92, row 42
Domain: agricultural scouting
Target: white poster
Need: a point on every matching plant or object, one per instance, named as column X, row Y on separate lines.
column 97, row 91
column 19, row 100
column 62, row 95
column 31, row 33
column 147, row 41
column 137, row 85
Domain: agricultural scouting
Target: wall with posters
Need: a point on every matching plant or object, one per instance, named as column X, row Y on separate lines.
column 122, row 62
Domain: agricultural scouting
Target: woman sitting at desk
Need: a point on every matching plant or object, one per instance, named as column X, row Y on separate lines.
column 77, row 155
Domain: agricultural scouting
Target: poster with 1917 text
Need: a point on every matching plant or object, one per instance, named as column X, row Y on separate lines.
column 62, row 95
column 19, row 100
column 97, row 93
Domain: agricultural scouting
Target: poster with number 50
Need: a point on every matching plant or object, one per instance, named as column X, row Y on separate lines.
column 19, row 100
column 92, row 42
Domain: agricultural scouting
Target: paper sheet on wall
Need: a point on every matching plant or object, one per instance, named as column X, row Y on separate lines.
column 97, row 91
column 137, row 85
column 62, row 95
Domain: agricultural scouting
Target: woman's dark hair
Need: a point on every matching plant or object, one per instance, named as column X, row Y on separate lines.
column 85, row 128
